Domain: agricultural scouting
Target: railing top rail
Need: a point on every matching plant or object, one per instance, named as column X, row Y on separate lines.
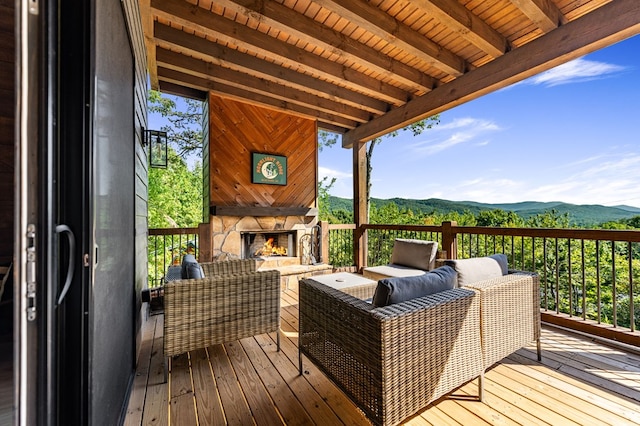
column 581, row 234
column 172, row 231
column 337, row 226
column 417, row 228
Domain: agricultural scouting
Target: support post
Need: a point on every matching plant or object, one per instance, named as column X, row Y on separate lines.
column 360, row 214
column 324, row 241
column 205, row 243
column 450, row 239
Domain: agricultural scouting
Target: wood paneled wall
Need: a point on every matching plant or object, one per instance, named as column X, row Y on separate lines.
column 7, row 131
column 236, row 130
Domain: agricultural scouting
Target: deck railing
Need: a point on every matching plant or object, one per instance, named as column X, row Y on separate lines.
column 591, row 275
column 167, row 245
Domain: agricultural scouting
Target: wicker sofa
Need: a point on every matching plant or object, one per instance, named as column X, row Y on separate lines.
column 232, row 302
column 392, row 361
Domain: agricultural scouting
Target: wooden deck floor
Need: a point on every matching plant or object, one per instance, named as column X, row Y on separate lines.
column 579, row 382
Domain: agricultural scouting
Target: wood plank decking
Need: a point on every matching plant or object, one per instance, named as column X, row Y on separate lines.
column 579, row 382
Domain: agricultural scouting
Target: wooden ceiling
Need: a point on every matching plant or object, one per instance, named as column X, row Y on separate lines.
column 364, row 68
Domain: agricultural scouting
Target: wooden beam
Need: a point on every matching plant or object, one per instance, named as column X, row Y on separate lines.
column 240, row 211
column 377, row 22
column 147, row 28
column 242, row 95
column 203, row 49
column 209, row 71
column 194, row 18
column 607, row 25
column 467, row 25
column 543, row 13
column 360, row 213
column 282, row 18
column 187, row 92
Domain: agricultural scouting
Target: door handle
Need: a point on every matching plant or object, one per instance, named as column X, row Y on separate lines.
column 64, row 229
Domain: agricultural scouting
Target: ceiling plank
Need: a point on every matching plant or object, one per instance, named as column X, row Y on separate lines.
column 306, row 29
column 194, row 18
column 396, row 33
column 604, row 26
column 209, row 71
column 468, row 26
column 543, row 13
column 245, row 96
column 235, row 60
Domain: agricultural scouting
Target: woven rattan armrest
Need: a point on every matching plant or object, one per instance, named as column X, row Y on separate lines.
column 202, row 312
column 391, row 361
column 510, row 314
column 235, row 266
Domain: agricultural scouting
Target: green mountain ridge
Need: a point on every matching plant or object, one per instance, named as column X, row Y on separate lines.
column 579, row 214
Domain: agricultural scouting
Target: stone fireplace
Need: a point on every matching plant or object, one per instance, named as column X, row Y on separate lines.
column 237, row 237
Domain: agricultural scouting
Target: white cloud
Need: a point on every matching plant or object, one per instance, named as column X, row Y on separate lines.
column 456, row 132
column 331, row 173
column 576, row 71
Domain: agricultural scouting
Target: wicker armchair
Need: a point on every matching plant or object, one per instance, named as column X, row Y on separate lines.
column 510, row 314
column 220, row 308
column 236, row 266
column 392, row 361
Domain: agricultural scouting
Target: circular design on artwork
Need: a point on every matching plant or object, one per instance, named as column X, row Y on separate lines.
column 269, row 170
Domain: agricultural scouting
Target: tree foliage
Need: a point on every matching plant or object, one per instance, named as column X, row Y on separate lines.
column 184, row 130
column 175, row 194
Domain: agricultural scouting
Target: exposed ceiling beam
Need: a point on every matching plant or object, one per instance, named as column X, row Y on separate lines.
column 377, row 22
column 147, row 27
column 209, row 71
column 229, row 58
column 543, row 13
column 309, row 31
column 194, row 18
column 468, row 26
column 245, row 96
column 609, row 24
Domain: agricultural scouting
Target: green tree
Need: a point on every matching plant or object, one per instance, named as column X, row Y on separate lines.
column 175, row 194
column 184, row 130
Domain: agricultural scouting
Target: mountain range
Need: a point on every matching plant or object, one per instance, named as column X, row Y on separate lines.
column 581, row 215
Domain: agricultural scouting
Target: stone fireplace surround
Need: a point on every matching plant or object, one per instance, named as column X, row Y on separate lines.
column 227, row 242
column 226, row 231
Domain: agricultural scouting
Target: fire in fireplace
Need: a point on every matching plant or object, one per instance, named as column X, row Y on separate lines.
column 266, row 244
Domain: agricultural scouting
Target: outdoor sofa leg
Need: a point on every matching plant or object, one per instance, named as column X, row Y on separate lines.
column 166, row 369
column 300, row 361
column 481, row 386
column 539, row 350
column 278, row 339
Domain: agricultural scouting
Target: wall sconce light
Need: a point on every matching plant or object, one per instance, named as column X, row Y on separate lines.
column 157, row 142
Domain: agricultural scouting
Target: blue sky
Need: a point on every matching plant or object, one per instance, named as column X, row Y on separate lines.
column 570, row 134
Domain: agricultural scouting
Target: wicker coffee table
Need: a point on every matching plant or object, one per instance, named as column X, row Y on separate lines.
column 353, row 284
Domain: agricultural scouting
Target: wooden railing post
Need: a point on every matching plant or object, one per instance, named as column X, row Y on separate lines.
column 204, row 240
column 450, row 239
column 324, row 241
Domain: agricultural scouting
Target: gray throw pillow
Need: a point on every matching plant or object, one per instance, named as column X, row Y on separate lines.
column 400, row 289
column 191, row 268
column 418, row 254
column 479, row 268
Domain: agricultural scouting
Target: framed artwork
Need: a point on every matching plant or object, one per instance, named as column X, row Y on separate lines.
column 157, row 148
column 268, row 168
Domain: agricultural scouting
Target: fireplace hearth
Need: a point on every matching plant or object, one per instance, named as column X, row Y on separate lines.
column 268, row 244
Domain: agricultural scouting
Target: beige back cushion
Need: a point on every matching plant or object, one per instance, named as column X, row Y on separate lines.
column 417, row 254
column 479, row 268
